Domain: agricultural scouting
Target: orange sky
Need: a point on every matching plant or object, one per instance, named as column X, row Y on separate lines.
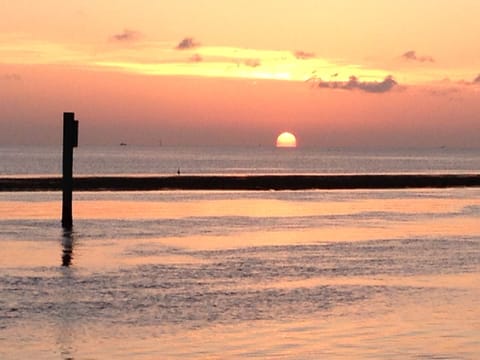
column 216, row 72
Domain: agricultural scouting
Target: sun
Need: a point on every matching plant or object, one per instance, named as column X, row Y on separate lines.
column 286, row 140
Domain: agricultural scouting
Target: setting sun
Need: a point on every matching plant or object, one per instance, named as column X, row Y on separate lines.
column 286, row 139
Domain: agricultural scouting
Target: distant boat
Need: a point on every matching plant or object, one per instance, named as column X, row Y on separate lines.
column 123, row 144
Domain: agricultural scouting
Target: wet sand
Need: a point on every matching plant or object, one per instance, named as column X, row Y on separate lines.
column 250, row 182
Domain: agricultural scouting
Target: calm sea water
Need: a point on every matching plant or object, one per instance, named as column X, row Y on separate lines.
column 382, row 274
column 90, row 160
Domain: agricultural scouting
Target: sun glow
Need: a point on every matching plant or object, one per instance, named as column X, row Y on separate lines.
column 286, row 140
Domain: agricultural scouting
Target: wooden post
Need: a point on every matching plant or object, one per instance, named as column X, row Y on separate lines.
column 70, row 140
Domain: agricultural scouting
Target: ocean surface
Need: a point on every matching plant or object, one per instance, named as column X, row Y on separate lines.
column 158, row 160
column 357, row 274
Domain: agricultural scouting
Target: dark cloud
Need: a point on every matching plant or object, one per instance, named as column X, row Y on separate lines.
column 126, row 36
column 196, row 58
column 252, row 62
column 353, row 83
column 412, row 56
column 303, row 55
column 11, row 77
column 187, row 43
column 477, row 79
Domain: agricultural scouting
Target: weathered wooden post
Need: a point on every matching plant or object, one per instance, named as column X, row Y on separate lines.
column 70, row 140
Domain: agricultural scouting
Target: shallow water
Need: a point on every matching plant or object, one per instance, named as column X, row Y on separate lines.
column 310, row 274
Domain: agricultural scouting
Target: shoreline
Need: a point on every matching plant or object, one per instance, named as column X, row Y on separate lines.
column 246, row 182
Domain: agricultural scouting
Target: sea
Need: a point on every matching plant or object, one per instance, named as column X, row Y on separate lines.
column 311, row 274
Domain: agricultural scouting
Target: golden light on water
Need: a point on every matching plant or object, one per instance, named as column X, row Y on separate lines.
column 286, row 140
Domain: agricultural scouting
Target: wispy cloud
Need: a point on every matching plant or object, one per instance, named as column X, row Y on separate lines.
column 452, row 93
column 412, row 56
column 187, row 43
column 475, row 81
column 11, row 77
column 127, row 35
column 454, row 90
column 303, row 55
column 196, row 58
column 252, row 62
column 353, row 83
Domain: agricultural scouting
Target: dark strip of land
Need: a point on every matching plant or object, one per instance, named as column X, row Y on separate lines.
column 249, row 182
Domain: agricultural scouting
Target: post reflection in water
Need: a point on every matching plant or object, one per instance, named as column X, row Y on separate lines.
column 66, row 325
column 67, row 244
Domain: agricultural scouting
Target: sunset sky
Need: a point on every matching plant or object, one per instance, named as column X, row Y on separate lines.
column 368, row 73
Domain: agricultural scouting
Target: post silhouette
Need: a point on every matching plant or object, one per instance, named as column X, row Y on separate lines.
column 70, row 140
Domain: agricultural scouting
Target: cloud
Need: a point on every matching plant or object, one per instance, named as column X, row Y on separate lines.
column 187, row 43
column 453, row 89
column 11, row 77
column 446, row 91
column 353, row 83
column 126, row 36
column 475, row 81
column 196, row 58
column 252, row 62
column 303, row 55
column 412, row 56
